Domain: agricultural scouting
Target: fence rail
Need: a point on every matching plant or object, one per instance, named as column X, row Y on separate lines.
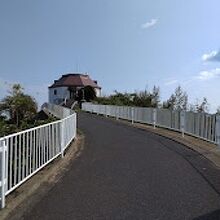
column 201, row 125
column 25, row 153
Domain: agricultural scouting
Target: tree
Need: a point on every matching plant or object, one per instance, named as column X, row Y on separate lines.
column 88, row 93
column 170, row 103
column 218, row 110
column 192, row 108
column 177, row 101
column 121, row 98
column 21, row 107
column 203, row 106
column 143, row 99
column 155, row 97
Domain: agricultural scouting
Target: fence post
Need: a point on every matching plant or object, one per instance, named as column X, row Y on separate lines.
column 132, row 115
column 62, row 138
column 106, row 111
column 117, row 112
column 154, row 117
column 217, row 129
column 97, row 109
column 3, row 154
column 182, row 122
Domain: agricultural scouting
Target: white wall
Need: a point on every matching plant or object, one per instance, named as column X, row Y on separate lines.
column 62, row 93
column 98, row 92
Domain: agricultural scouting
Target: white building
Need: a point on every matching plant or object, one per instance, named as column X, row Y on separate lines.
column 67, row 87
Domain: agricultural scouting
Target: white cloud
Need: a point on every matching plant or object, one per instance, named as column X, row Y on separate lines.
column 212, row 56
column 150, row 23
column 208, row 74
column 171, row 82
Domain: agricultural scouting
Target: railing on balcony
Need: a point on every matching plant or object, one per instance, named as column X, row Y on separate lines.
column 25, row 153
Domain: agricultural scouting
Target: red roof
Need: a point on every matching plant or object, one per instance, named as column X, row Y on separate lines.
column 75, row 80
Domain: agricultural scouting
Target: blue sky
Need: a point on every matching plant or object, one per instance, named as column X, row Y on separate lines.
column 126, row 45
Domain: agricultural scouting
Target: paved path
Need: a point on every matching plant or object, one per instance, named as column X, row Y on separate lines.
column 128, row 173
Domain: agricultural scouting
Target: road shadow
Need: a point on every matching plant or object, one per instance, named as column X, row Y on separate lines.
column 215, row 215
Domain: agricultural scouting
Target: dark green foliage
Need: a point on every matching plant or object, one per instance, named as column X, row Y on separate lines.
column 116, row 99
column 141, row 99
column 177, row 101
column 7, row 128
column 88, row 94
column 203, row 106
column 22, row 109
column 46, row 121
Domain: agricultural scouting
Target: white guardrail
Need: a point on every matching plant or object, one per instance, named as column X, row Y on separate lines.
column 25, row 153
column 201, row 125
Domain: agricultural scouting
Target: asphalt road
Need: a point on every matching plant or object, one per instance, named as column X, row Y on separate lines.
column 128, row 173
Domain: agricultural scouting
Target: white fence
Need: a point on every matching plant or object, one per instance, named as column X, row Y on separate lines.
column 25, row 153
column 204, row 126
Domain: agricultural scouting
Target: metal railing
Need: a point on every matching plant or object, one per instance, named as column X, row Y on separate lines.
column 25, row 153
column 201, row 125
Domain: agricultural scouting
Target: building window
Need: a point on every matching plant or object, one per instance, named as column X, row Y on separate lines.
column 55, row 92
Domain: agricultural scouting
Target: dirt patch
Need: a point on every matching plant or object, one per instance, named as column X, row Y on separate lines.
column 28, row 194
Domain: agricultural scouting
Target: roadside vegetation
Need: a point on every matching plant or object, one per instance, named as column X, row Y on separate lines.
column 18, row 111
column 177, row 101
